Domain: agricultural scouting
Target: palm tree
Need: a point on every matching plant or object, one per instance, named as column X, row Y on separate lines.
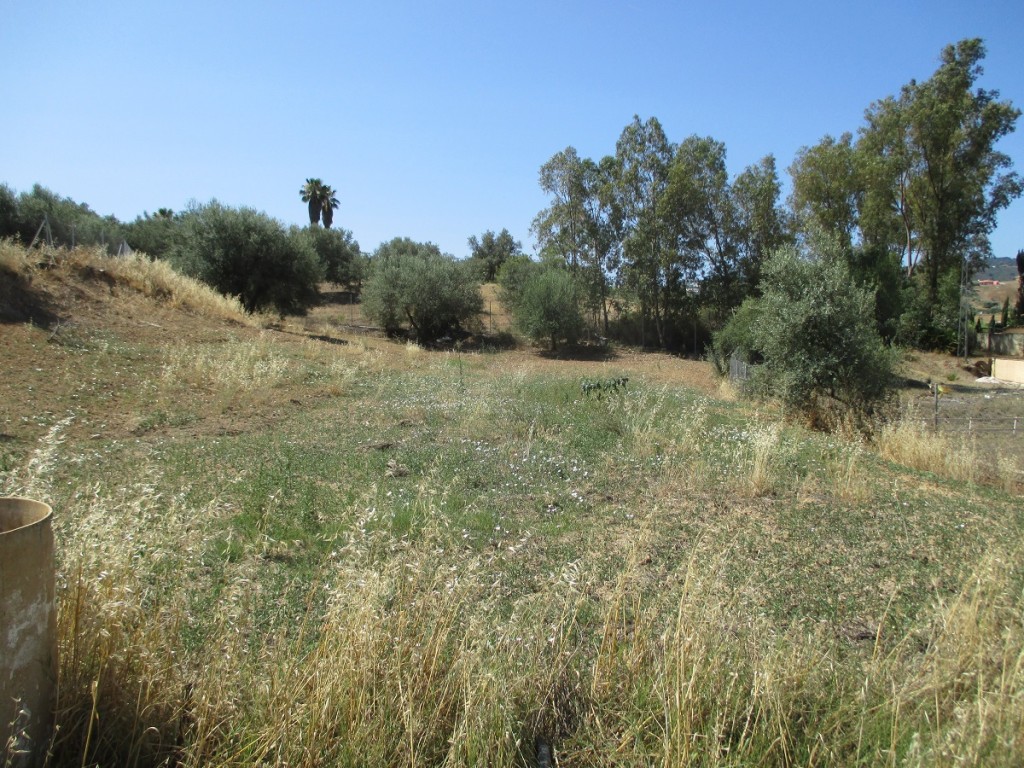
column 328, row 204
column 321, row 200
column 314, row 192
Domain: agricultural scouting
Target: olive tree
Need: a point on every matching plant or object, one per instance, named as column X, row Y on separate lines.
column 337, row 251
column 415, row 284
column 813, row 333
column 547, row 306
column 244, row 253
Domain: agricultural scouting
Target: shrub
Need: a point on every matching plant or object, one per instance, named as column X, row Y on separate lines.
column 548, row 307
column 247, row 254
column 337, row 252
column 154, row 234
column 512, row 277
column 9, row 222
column 70, row 223
column 736, row 337
column 415, row 283
column 816, row 335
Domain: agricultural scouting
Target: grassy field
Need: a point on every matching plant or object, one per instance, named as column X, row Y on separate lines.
column 306, row 545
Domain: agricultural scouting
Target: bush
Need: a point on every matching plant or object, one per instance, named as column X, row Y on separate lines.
column 71, row 223
column 415, row 283
column 247, row 254
column 548, row 307
column 816, row 336
column 9, row 218
column 736, row 337
column 337, row 252
column 154, row 234
column 925, row 324
column 512, row 277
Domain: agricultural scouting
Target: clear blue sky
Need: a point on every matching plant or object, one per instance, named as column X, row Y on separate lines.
column 432, row 119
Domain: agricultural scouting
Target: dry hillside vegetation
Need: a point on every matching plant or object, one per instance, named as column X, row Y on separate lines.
column 988, row 299
column 298, row 544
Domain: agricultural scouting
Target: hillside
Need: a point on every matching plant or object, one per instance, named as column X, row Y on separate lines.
column 988, row 300
column 301, row 543
column 1002, row 268
column 121, row 334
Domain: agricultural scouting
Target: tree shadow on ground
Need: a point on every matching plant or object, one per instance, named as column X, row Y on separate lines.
column 20, row 302
column 581, row 353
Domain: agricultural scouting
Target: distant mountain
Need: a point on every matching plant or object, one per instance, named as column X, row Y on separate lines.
column 1003, row 269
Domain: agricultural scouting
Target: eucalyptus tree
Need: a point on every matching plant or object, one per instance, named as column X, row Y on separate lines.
column 491, row 250
column 603, row 220
column 950, row 181
column 762, row 223
column 841, row 190
column 702, row 217
column 581, row 226
column 721, row 231
column 561, row 228
column 827, row 188
column 644, row 156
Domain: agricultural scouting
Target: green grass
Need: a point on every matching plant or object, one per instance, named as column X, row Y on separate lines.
column 445, row 560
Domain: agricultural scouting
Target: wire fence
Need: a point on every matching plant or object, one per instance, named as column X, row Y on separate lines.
column 942, row 415
column 990, row 412
column 1013, row 425
column 739, row 370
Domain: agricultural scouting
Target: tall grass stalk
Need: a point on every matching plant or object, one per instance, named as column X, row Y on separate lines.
column 849, row 479
column 246, row 366
column 910, row 442
column 764, row 449
column 421, row 658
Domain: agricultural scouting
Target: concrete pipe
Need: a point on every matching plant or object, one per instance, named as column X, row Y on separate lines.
column 28, row 631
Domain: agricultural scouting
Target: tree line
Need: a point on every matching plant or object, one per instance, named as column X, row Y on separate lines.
column 653, row 244
column 239, row 251
column 663, row 245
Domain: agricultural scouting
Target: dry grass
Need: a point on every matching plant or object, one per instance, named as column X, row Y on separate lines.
column 1009, row 474
column 14, row 258
column 154, row 279
column 763, row 459
column 850, row 479
column 417, row 662
column 911, row 443
column 157, row 279
column 245, row 366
